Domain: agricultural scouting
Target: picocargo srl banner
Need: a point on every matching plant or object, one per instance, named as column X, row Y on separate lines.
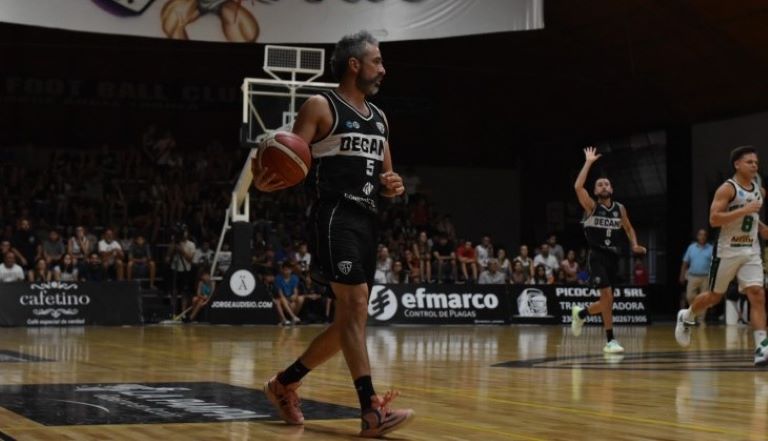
column 279, row 21
column 551, row 304
column 438, row 304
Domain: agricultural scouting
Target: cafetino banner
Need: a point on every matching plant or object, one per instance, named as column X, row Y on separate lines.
column 67, row 304
column 438, row 304
column 551, row 304
column 279, row 21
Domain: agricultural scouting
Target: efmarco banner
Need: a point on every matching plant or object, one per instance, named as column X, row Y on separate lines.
column 279, row 21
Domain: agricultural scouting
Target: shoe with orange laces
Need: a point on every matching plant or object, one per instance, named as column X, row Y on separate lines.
column 285, row 399
column 380, row 419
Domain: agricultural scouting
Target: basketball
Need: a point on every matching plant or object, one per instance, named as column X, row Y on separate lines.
column 286, row 155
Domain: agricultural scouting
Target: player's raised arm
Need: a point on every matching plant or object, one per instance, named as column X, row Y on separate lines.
column 631, row 234
column 586, row 201
column 718, row 211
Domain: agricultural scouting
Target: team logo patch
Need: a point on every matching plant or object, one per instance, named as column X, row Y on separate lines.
column 381, row 127
column 352, row 124
column 607, row 242
column 615, row 214
column 367, row 188
column 345, row 266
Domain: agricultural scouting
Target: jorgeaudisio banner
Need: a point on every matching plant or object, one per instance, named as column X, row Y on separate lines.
column 279, row 21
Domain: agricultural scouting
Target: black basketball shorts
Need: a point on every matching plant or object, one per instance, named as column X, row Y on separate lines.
column 344, row 244
column 603, row 268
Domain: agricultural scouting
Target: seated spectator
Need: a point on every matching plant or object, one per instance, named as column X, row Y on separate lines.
column 81, row 245
column 53, row 249
column 40, row 273
column 422, row 249
column 10, row 271
column 303, row 258
column 466, row 257
column 93, row 271
column 505, row 266
column 317, row 306
column 140, row 262
column 484, row 251
column 66, row 270
column 445, row 260
column 519, row 275
column 540, row 276
column 412, row 265
column 286, row 295
column 203, row 257
column 398, row 275
column 492, row 276
column 124, row 239
column 383, row 265
column 550, row 262
column 560, row 277
column 640, row 274
column 583, row 276
column 203, row 293
column 111, row 254
column 265, row 266
column 554, row 248
column 525, row 260
column 26, row 242
column 571, row 267
column 5, row 247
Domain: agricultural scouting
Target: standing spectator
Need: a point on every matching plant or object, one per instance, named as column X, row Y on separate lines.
column 550, row 262
column 383, row 265
column 540, row 276
column 203, row 293
column 40, row 273
column 81, row 245
column 286, row 295
column 203, row 257
column 570, row 267
column 398, row 275
column 140, row 262
column 492, row 276
column 53, row 249
column 179, row 258
column 66, row 270
column 26, row 242
column 554, row 248
column 640, row 274
column 505, row 266
column 111, row 254
column 10, row 271
column 466, row 257
column 445, row 259
column 519, row 275
column 422, row 249
column 695, row 267
column 525, row 260
column 93, row 271
column 303, row 258
column 484, row 251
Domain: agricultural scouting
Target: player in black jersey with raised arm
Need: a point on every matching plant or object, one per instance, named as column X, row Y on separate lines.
column 351, row 170
column 607, row 228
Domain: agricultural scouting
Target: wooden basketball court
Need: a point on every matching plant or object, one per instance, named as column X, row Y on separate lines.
column 465, row 383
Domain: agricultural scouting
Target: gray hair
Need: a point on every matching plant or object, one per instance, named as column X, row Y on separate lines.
column 350, row 46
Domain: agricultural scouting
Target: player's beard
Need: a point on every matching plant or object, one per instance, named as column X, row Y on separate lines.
column 369, row 86
column 605, row 195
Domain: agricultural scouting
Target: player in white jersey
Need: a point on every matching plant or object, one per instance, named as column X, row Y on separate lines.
column 735, row 211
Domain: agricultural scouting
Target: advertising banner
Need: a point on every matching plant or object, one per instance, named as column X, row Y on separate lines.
column 551, row 304
column 70, row 304
column 438, row 304
column 279, row 21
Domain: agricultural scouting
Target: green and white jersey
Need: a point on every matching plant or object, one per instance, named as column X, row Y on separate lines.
column 739, row 238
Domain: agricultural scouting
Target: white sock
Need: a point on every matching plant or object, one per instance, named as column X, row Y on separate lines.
column 688, row 314
column 759, row 337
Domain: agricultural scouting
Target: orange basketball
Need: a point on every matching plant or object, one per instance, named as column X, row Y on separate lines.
column 286, row 155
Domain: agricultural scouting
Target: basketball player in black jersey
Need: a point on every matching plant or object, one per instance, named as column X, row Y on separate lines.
column 351, row 170
column 607, row 228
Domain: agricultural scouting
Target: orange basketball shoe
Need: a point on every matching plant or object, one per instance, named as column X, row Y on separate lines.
column 285, row 399
column 380, row 419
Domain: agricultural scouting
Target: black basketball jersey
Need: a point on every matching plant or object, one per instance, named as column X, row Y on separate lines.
column 346, row 164
column 603, row 228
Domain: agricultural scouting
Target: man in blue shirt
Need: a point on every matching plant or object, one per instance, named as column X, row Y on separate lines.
column 695, row 268
column 286, row 295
